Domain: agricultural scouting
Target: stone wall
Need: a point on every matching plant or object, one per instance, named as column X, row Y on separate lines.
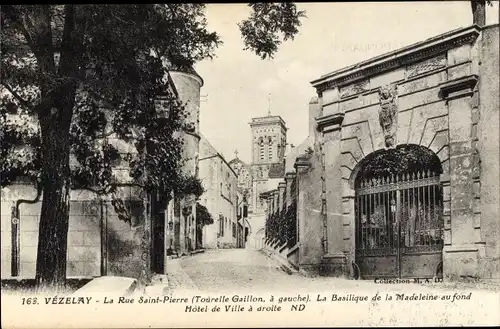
column 310, row 212
column 122, row 253
column 488, row 144
column 220, row 197
column 188, row 87
column 437, row 96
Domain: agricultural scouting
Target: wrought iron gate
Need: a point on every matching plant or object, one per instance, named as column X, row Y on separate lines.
column 399, row 230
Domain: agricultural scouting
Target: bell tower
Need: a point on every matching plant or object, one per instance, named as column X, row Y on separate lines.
column 268, row 149
column 268, row 140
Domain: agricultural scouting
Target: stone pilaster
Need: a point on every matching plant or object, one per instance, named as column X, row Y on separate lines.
column 460, row 258
column 281, row 194
column 276, row 199
column 334, row 257
column 289, row 179
column 301, row 166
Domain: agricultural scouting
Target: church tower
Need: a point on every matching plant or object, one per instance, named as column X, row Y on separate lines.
column 268, row 152
column 268, row 141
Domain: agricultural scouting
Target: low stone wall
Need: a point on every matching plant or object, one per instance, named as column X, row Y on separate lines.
column 123, row 250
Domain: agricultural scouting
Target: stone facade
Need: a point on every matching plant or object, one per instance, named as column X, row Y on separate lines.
column 182, row 212
column 220, row 198
column 439, row 95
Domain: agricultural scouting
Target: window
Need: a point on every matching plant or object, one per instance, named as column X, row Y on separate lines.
column 221, row 225
column 261, row 149
column 234, row 230
column 270, row 149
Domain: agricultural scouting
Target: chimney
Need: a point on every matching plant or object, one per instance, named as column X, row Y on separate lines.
column 314, row 112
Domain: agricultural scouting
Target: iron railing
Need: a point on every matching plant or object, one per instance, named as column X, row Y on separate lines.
column 399, row 213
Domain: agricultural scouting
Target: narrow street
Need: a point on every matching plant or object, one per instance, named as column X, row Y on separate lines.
column 237, row 270
column 245, row 270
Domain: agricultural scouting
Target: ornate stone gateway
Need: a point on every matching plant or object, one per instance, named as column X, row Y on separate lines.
column 399, row 230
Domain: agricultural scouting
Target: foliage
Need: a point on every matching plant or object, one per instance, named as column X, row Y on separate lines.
column 291, row 221
column 190, row 185
column 88, row 76
column 269, row 25
column 116, row 86
column 203, row 217
column 411, row 158
column 115, row 83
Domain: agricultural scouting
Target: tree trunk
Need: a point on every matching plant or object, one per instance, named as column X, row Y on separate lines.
column 54, row 218
column 478, row 12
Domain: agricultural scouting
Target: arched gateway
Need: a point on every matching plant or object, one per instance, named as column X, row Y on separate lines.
column 398, row 213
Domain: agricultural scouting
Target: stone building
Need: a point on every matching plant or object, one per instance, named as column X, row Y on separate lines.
column 220, row 198
column 265, row 171
column 100, row 241
column 181, row 213
column 243, row 228
column 399, row 175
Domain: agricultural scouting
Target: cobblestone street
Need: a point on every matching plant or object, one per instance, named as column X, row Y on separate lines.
column 232, row 270
column 246, row 270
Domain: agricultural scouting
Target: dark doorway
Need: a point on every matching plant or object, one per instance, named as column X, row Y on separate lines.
column 199, row 236
column 158, row 243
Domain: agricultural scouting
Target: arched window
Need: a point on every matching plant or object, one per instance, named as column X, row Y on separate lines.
column 270, row 149
column 398, row 213
column 261, row 148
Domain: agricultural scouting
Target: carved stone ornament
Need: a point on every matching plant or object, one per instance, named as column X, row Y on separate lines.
column 388, row 114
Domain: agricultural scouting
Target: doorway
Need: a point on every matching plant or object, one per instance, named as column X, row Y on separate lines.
column 398, row 215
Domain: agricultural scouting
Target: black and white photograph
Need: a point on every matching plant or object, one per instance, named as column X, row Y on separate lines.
column 250, row 164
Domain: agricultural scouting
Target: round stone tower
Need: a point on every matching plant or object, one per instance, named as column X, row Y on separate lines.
column 188, row 84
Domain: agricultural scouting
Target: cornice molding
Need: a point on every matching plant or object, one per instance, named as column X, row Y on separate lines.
column 301, row 162
column 330, row 122
column 459, row 87
column 404, row 56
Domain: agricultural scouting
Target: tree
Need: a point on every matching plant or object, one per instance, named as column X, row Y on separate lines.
column 203, row 216
column 80, row 68
column 269, row 25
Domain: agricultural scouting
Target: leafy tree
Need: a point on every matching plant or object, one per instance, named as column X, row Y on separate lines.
column 269, row 25
column 81, row 69
column 203, row 216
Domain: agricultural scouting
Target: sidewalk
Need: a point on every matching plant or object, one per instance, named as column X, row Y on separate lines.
column 485, row 286
column 282, row 264
column 177, row 278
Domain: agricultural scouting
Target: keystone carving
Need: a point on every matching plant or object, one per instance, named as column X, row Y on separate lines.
column 388, row 114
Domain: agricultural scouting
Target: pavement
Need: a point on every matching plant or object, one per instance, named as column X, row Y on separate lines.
column 247, row 270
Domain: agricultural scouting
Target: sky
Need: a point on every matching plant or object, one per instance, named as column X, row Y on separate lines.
column 237, row 83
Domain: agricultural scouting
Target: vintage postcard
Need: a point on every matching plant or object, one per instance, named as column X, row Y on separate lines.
column 250, row 165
